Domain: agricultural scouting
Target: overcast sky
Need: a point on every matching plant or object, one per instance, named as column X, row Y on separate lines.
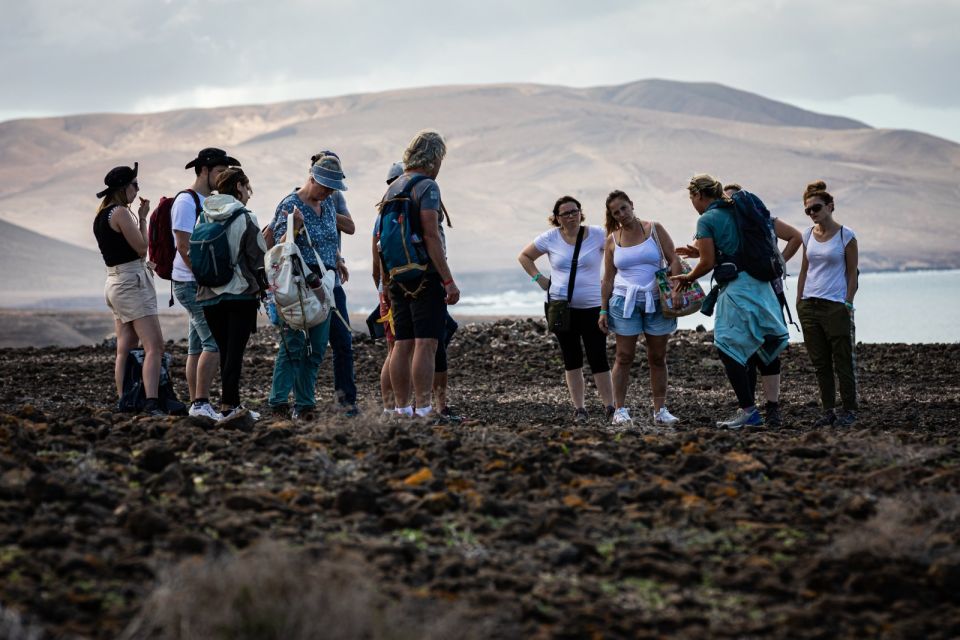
column 888, row 63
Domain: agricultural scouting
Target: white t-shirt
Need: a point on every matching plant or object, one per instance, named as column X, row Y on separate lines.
column 586, row 288
column 183, row 217
column 826, row 265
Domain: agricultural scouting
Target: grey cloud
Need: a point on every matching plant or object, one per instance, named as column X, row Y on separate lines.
column 66, row 56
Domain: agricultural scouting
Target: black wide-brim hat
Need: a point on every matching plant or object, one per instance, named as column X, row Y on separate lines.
column 119, row 177
column 212, row 157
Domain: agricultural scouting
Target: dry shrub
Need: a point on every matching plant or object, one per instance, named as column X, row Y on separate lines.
column 272, row 592
column 903, row 526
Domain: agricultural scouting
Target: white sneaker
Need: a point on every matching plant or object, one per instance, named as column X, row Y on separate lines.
column 206, row 410
column 622, row 417
column 665, row 418
column 742, row 419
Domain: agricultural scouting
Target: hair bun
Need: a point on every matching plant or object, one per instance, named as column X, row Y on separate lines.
column 819, row 185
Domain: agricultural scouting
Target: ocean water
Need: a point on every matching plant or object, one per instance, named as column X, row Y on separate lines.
column 911, row 307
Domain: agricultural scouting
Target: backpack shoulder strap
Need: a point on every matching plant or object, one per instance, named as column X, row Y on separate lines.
column 656, row 239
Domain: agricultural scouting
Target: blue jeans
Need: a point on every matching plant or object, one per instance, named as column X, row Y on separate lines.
column 341, row 341
column 199, row 338
column 295, row 369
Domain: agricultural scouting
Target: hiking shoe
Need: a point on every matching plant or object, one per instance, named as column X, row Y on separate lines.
column 580, row 416
column 304, row 414
column 609, row 411
column 621, row 417
column 206, row 410
column 254, row 415
column 846, row 419
column 351, row 410
column 451, row 417
column 772, row 415
column 828, row 419
column 664, row 418
column 742, row 419
column 279, row 411
column 152, row 408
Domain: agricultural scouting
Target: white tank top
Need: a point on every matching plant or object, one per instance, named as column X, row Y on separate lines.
column 636, row 269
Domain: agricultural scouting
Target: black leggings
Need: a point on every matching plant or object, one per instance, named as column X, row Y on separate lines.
column 743, row 379
column 231, row 323
column 583, row 327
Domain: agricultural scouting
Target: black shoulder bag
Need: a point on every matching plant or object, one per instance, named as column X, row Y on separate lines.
column 558, row 311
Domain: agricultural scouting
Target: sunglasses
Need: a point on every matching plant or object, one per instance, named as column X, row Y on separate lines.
column 812, row 209
column 135, row 185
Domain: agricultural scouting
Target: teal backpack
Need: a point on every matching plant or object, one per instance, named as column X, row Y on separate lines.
column 403, row 253
column 210, row 257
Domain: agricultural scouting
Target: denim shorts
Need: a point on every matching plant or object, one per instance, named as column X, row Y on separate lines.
column 654, row 324
column 200, row 337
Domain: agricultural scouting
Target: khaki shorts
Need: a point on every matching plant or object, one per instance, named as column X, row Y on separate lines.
column 129, row 291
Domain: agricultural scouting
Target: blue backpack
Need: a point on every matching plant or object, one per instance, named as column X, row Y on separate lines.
column 210, row 257
column 758, row 254
column 403, row 253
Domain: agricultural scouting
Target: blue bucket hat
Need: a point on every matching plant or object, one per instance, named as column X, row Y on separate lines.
column 328, row 172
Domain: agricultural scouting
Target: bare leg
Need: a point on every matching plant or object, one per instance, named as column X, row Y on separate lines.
column 191, row 374
column 400, row 362
column 207, row 365
column 440, row 391
column 771, row 387
column 574, row 379
column 626, row 351
column 424, row 357
column 148, row 329
column 386, row 389
column 604, row 384
column 126, row 340
column 657, row 359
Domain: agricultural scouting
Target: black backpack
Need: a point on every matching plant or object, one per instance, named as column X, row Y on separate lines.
column 134, row 397
column 758, row 254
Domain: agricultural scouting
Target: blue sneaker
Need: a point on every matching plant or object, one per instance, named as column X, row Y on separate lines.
column 742, row 418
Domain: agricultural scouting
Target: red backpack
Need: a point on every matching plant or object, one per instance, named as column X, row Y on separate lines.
column 160, row 244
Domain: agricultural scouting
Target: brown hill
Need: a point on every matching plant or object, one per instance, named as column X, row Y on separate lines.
column 513, row 150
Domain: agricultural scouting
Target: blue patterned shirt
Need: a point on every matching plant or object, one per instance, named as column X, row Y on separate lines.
column 322, row 228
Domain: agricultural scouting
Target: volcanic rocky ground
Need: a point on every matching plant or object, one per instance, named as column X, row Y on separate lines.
column 516, row 523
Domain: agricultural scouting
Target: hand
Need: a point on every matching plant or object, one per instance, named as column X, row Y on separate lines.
column 544, row 283
column 297, row 220
column 602, row 323
column 680, row 282
column 144, row 209
column 344, row 272
column 453, row 293
column 677, row 299
column 688, row 251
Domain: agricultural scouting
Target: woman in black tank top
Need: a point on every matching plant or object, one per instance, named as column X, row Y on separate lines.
column 129, row 292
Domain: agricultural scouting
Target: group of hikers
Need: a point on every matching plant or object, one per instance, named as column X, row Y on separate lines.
column 626, row 278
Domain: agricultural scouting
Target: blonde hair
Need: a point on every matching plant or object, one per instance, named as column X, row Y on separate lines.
column 706, row 185
column 116, row 198
column 426, row 151
column 817, row 189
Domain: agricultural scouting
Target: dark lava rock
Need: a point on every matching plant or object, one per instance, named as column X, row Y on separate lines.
column 42, row 488
column 146, row 523
column 360, row 498
column 238, row 421
column 41, row 537
column 155, row 458
column 251, row 502
column 595, row 464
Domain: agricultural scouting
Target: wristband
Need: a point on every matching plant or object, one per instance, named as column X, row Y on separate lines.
column 603, row 312
column 848, row 305
column 536, row 277
column 447, row 283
